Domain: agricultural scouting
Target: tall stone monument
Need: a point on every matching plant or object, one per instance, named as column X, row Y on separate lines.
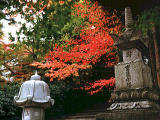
column 134, row 97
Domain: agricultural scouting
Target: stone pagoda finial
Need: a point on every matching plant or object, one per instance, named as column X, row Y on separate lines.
column 128, row 18
column 128, row 23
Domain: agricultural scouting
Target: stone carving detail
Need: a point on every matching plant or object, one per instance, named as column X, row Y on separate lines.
column 124, row 96
column 128, row 76
column 131, row 55
column 133, row 75
column 135, row 95
column 130, row 105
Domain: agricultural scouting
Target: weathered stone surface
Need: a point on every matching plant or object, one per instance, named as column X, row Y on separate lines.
column 132, row 75
column 136, row 114
column 135, row 95
column 128, row 18
column 133, row 105
column 131, row 55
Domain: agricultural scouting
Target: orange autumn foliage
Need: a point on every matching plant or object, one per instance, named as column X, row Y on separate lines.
column 88, row 48
column 98, row 86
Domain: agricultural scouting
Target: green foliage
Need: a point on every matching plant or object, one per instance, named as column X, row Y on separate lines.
column 8, row 111
column 7, row 5
column 47, row 27
column 1, row 33
column 16, row 59
column 147, row 19
column 66, row 99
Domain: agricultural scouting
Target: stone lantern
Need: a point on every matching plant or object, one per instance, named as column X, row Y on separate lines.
column 34, row 98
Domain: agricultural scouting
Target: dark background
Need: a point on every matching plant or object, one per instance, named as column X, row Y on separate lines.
column 137, row 6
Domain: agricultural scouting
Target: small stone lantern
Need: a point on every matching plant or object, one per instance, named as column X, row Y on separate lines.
column 34, row 98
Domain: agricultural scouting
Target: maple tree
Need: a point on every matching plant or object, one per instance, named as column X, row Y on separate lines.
column 34, row 41
column 90, row 43
column 73, row 35
column 16, row 59
column 46, row 19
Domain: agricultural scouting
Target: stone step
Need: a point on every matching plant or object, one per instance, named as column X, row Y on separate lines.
column 81, row 117
column 77, row 117
column 87, row 114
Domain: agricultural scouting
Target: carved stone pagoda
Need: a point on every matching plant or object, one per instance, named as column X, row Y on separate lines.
column 134, row 97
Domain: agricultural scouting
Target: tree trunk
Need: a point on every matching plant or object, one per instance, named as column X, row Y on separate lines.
column 157, row 59
column 152, row 62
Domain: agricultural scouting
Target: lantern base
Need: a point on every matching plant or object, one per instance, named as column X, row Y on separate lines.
column 33, row 114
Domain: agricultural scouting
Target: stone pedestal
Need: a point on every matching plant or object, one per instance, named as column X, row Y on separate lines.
column 31, row 113
column 136, row 114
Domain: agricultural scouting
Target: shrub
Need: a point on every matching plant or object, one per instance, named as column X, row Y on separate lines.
column 8, row 111
column 69, row 100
